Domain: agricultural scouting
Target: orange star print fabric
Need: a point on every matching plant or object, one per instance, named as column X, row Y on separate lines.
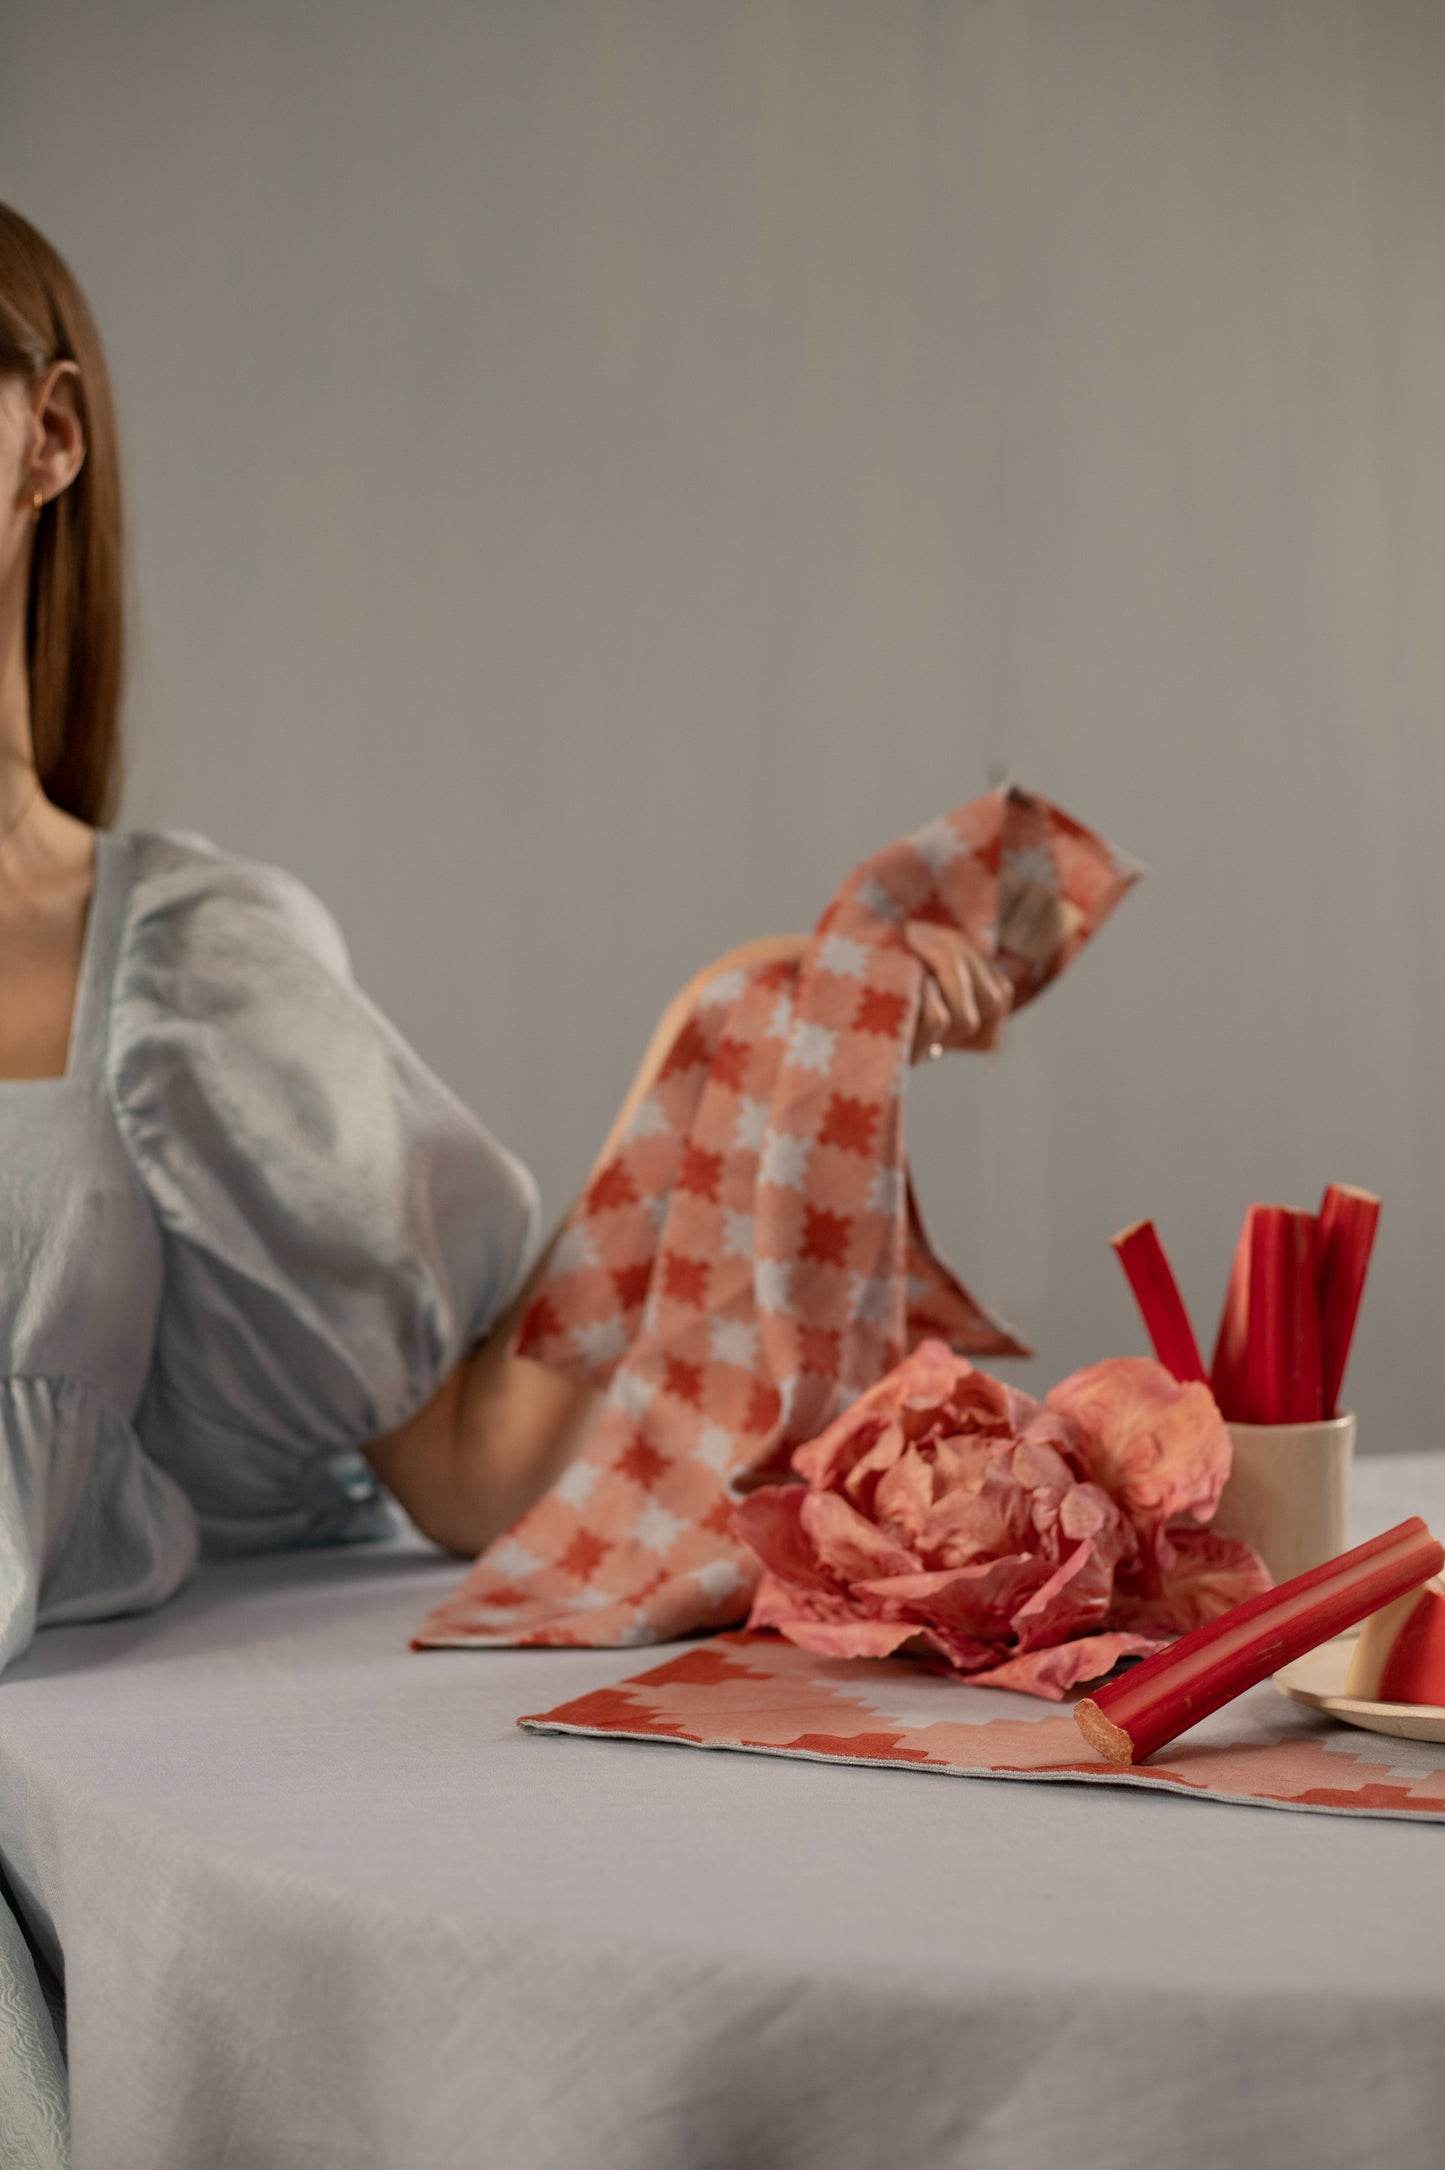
column 751, row 1258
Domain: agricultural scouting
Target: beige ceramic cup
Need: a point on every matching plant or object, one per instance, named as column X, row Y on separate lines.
column 1288, row 1493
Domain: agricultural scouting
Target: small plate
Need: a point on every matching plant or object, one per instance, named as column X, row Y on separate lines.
column 1318, row 1678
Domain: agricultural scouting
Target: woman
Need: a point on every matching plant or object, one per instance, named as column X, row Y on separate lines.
column 249, row 1239
column 257, row 1260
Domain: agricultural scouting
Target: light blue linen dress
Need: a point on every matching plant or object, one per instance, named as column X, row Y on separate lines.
column 245, row 1233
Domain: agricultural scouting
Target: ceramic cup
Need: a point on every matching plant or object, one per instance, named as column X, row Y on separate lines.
column 1288, row 1493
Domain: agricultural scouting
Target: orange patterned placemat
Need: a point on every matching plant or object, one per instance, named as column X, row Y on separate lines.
column 757, row 1693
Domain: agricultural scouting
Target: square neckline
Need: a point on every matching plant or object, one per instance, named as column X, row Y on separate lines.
column 98, row 944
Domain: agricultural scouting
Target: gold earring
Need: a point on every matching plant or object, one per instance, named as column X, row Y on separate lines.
column 37, row 506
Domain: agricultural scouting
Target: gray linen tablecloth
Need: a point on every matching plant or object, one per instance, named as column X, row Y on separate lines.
column 322, row 1905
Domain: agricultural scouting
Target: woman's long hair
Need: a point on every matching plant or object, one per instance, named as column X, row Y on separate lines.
column 75, row 631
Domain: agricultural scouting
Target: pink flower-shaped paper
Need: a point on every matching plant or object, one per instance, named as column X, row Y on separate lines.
column 1027, row 1546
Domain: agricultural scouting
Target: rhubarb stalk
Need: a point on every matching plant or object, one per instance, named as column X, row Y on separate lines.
column 1227, row 1371
column 1129, row 1718
column 1161, row 1306
column 1282, row 1357
column 1347, row 1224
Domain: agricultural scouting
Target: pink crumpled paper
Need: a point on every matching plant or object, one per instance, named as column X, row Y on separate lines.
column 1029, row 1546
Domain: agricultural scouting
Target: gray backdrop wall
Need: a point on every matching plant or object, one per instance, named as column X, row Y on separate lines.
column 601, row 466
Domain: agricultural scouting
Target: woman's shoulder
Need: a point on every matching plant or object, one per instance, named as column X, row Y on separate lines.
column 189, row 895
column 338, row 1226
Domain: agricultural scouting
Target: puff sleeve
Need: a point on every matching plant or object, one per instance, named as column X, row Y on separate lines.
column 337, row 1228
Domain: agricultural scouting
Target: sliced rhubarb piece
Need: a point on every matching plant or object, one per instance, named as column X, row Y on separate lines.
column 1282, row 1356
column 1347, row 1224
column 1161, row 1306
column 1129, row 1718
column 1400, row 1656
column 1226, row 1374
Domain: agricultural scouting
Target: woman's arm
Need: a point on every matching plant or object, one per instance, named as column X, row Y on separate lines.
column 498, row 1432
column 501, row 1428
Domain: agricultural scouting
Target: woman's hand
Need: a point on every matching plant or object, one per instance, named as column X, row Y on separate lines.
column 965, row 999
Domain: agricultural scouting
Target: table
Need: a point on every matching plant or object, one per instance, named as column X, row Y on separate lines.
column 322, row 1904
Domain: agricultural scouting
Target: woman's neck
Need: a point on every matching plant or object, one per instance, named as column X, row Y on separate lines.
column 17, row 749
column 39, row 845
column 47, row 866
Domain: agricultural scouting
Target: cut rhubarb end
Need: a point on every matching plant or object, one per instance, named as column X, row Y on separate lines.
column 1348, row 1222
column 1107, row 1739
column 1161, row 1306
column 1170, row 1692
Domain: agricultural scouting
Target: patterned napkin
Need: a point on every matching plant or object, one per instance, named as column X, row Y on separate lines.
column 758, row 1693
column 752, row 1257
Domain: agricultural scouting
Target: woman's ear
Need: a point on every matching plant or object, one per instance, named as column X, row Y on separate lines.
column 57, row 443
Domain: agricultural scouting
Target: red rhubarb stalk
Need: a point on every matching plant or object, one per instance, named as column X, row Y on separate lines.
column 1156, row 1292
column 1348, row 1220
column 1282, row 1355
column 1227, row 1371
column 1129, row 1718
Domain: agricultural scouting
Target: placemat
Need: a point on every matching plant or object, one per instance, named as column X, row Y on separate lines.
column 758, row 1693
